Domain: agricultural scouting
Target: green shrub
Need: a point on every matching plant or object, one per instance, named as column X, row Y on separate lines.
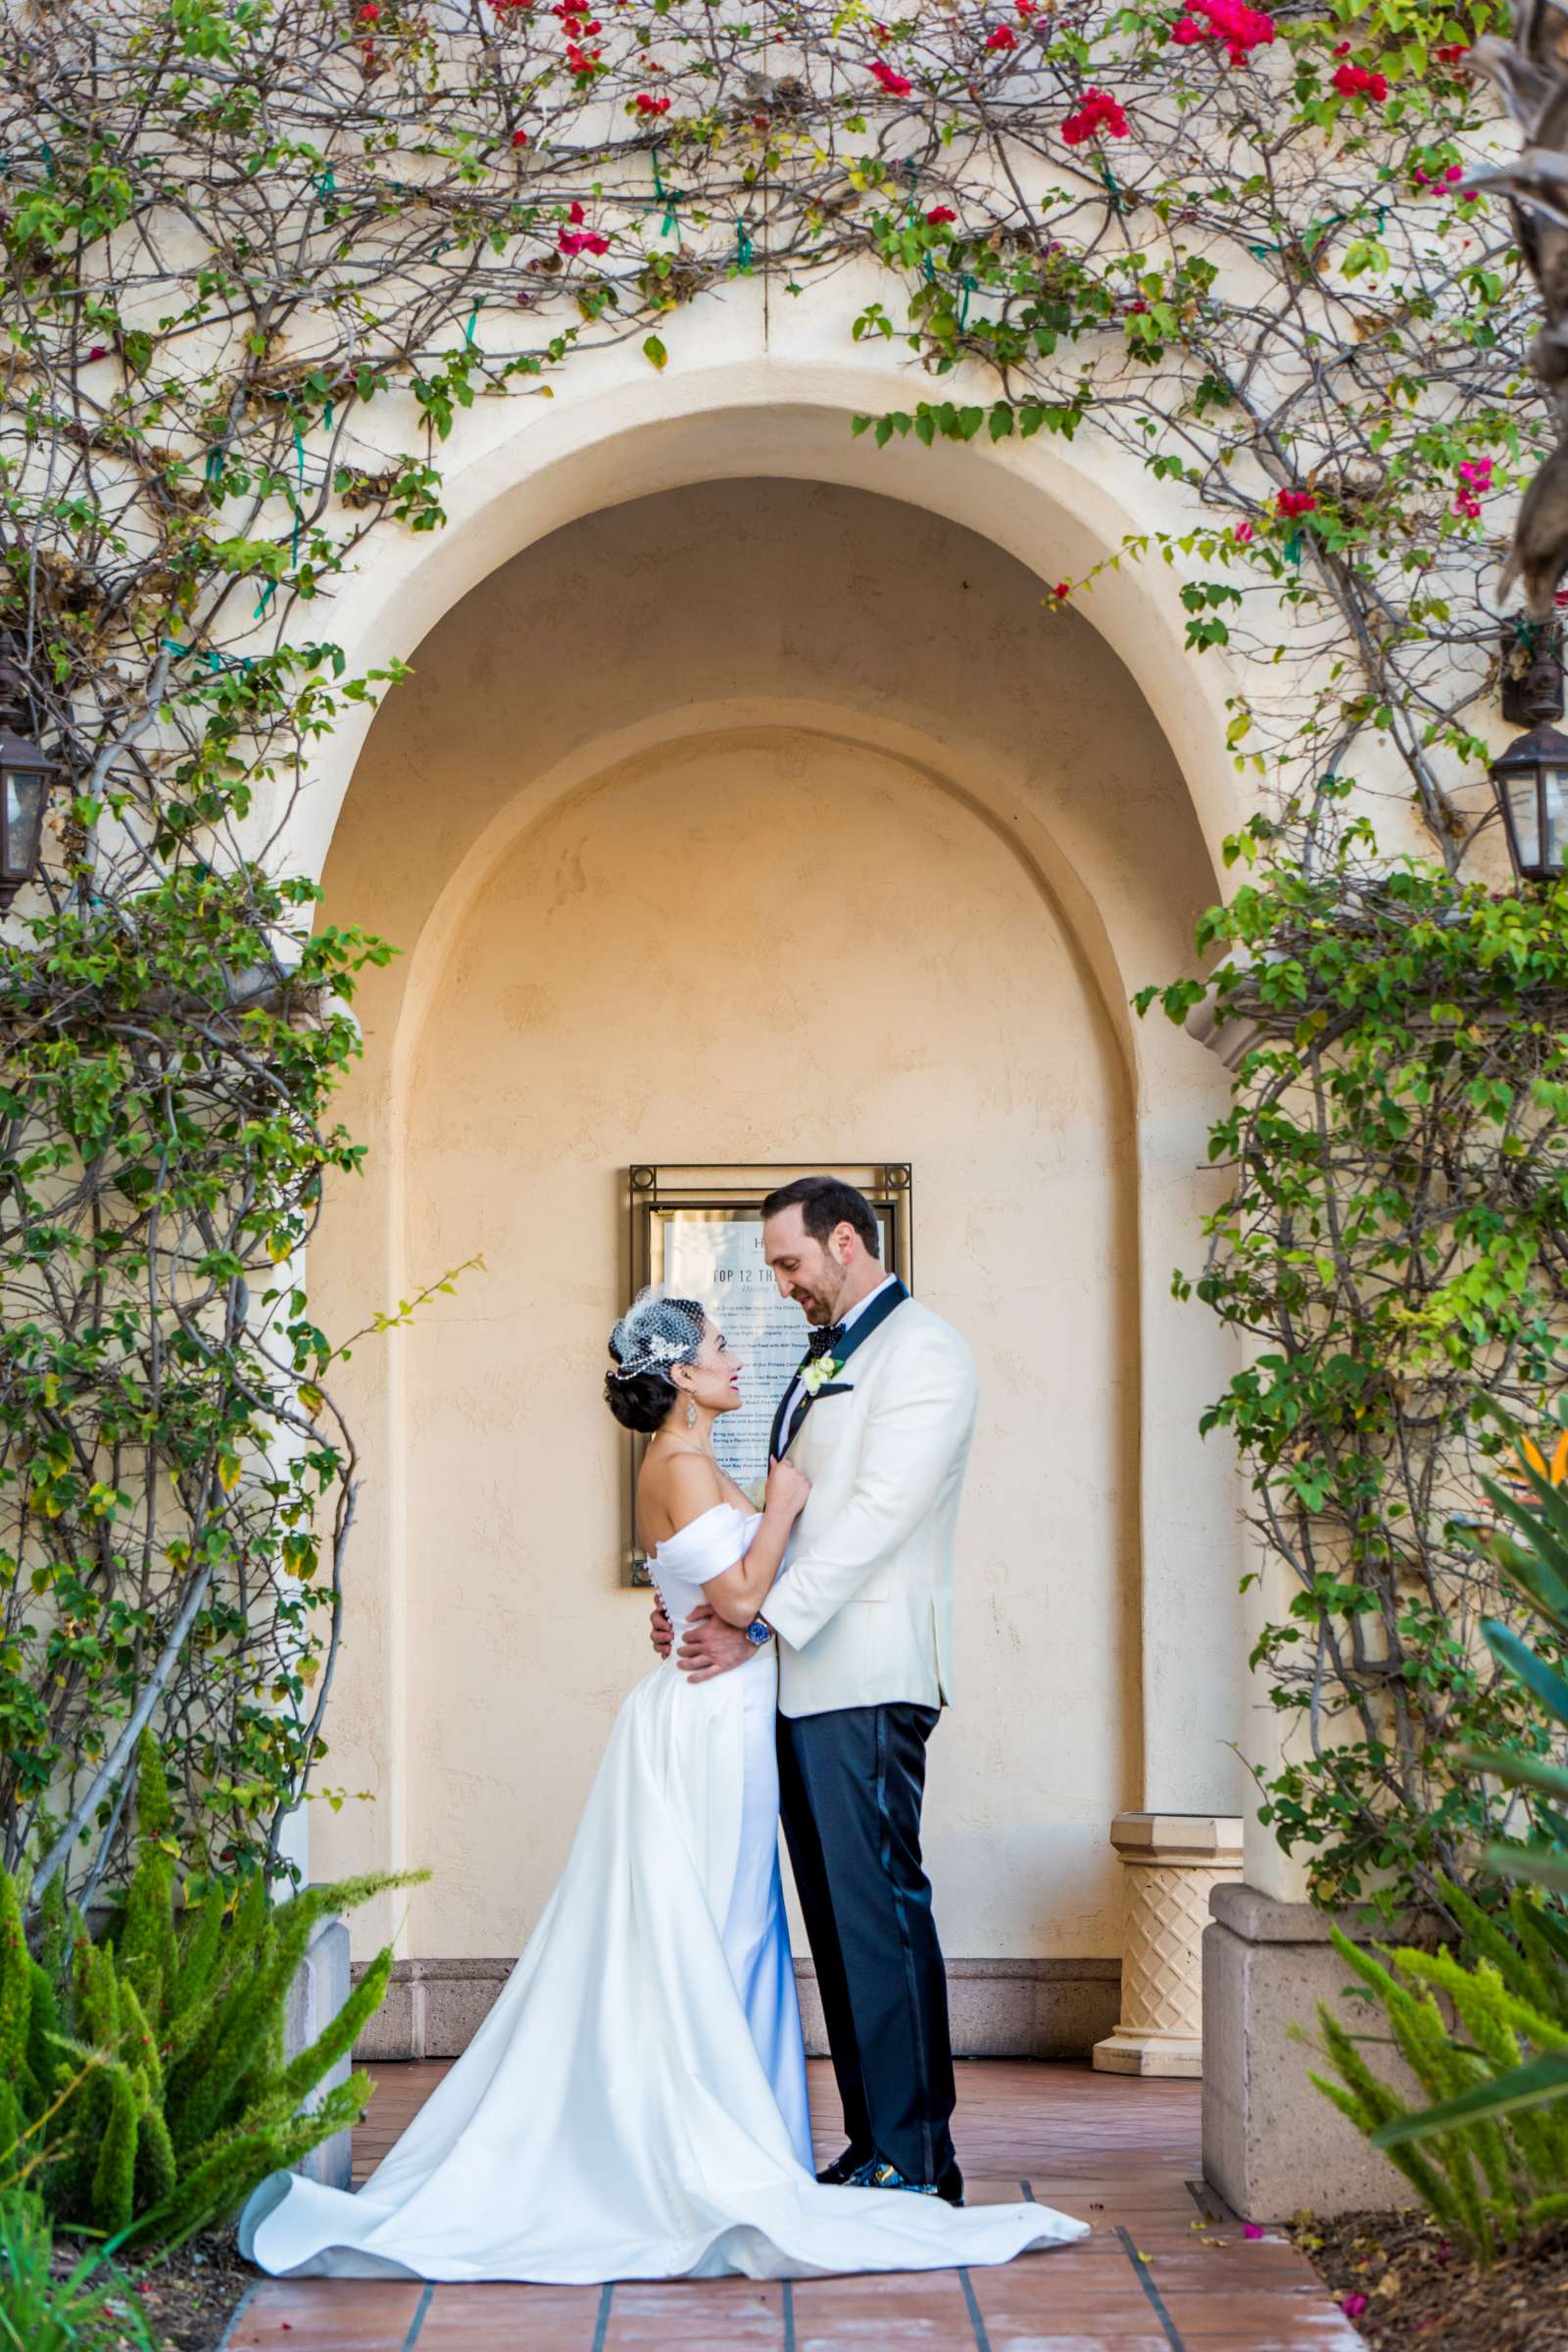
column 148, row 2090
column 1489, row 2155
column 90, row 2311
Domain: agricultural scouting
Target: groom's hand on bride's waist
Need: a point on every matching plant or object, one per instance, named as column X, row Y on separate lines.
column 710, row 1647
column 659, row 1633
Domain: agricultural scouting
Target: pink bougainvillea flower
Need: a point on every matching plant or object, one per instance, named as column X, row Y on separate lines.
column 98, row 351
column 1100, row 115
column 1291, row 503
column 1239, row 27
column 646, row 104
column 520, row 138
column 1002, row 36
column 940, row 214
column 1026, row 8
column 1137, row 309
column 1061, row 591
column 1360, row 81
column 1353, row 2306
column 894, row 84
column 1451, row 52
column 1242, row 533
column 582, row 240
column 574, row 212
column 369, row 14
column 1254, row 2229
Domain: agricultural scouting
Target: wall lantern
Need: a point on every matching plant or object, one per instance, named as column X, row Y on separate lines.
column 1530, row 782
column 25, row 776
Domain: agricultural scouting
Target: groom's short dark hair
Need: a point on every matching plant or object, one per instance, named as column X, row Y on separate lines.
column 826, row 1202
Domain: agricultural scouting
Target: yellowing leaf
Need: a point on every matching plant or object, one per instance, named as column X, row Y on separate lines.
column 228, row 1472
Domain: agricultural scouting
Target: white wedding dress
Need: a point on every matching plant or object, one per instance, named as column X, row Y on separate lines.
column 634, row 2105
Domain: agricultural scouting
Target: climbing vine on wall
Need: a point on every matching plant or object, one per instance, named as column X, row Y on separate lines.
column 262, row 258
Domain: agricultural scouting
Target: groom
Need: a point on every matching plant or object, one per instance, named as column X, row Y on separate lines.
column 879, row 1417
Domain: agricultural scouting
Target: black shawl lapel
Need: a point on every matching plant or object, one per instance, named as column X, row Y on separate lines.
column 860, row 1330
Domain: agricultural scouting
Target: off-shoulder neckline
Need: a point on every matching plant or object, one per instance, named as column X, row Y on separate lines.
column 733, row 1509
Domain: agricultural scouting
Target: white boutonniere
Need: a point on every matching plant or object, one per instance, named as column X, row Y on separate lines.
column 817, row 1374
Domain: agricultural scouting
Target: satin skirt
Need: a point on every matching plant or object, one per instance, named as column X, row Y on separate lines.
column 633, row 2106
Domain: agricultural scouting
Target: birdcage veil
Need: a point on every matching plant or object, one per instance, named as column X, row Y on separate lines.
column 659, row 1328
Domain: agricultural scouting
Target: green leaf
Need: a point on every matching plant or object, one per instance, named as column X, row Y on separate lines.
column 653, row 351
column 1530, row 2086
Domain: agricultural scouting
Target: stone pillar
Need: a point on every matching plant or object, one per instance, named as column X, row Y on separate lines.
column 1174, row 1862
column 1272, row 2142
column 318, row 1992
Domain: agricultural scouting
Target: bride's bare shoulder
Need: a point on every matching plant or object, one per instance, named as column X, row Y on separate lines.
column 675, row 1487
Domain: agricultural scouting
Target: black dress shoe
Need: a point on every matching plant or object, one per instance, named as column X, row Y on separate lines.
column 878, row 2173
column 950, row 2185
column 843, row 2168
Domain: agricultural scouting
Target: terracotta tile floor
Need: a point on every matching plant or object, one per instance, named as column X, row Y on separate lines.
column 1165, row 2269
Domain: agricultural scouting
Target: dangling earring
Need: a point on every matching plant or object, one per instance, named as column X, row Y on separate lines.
column 691, row 1412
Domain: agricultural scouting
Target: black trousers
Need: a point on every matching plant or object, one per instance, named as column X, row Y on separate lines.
column 850, row 1789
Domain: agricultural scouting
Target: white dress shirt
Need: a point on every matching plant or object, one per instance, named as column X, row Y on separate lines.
column 797, row 1386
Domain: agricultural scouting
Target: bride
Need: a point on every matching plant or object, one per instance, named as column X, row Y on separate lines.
column 634, row 2105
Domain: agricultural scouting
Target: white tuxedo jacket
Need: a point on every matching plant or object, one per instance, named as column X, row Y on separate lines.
column 864, row 1609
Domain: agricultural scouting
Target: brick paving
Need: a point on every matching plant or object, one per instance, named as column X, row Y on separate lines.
column 1167, row 2269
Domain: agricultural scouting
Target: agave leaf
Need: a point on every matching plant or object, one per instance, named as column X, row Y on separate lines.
column 1528, row 2085
column 1529, row 1862
column 1522, row 1662
column 1516, row 1771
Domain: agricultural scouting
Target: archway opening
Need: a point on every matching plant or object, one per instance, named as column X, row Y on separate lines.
column 762, row 820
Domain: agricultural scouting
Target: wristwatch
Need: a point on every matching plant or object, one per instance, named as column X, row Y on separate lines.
column 759, row 1632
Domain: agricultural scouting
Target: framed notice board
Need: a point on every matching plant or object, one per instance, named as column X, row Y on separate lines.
column 698, row 1231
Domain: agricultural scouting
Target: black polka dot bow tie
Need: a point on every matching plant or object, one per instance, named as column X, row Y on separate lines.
column 823, row 1343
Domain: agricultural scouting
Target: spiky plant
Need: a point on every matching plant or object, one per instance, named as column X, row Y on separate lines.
column 148, row 2088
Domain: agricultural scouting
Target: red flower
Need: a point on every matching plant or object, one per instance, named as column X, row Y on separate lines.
column 885, row 79
column 1451, row 52
column 1239, row 27
column 940, row 214
column 1242, row 533
column 1342, row 50
column 582, row 240
column 1062, row 590
column 1137, row 309
column 1100, row 112
column 760, row 123
column 369, row 14
column 576, row 213
column 1291, row 503
column 1002, row 36
column 1353, row 2306
column 1360, row 81
column 98, row 351
column 1026, row 8
column 520, row 138
column 649, row 104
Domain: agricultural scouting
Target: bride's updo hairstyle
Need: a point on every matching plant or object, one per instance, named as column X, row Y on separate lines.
column 655, row 1332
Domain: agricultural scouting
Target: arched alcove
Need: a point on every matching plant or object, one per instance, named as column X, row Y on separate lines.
column 810, row 773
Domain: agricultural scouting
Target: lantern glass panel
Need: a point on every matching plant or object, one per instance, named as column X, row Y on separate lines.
column 24, row 793
column 1524, row 818
column 1554, row 812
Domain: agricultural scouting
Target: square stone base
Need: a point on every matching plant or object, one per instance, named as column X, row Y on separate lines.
column 1173, row 2055
column 1272, row 2143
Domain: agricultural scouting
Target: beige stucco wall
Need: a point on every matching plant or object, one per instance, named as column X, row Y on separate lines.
column 910, row 844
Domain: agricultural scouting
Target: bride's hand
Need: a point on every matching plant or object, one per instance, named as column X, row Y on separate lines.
column 788, row 1488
